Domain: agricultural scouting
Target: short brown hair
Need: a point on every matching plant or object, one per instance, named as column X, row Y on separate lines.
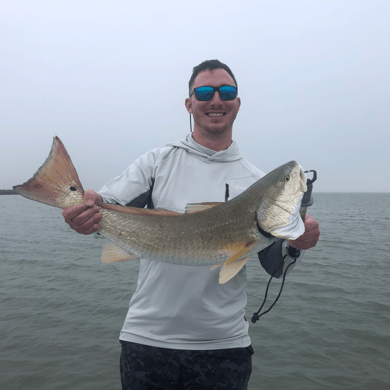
column 209, row 65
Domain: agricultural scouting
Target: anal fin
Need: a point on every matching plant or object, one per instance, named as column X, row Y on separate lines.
column 230, row 270
column 113, row 254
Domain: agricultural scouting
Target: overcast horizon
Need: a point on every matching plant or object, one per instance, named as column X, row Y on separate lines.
column 110, row 79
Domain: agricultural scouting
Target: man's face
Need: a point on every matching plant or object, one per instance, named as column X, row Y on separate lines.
column 215, row 116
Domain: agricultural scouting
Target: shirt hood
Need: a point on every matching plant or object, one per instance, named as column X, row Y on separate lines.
column 230, row 154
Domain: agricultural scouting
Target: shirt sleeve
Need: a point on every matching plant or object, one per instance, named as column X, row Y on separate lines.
column 276, row 258
column 134, row 186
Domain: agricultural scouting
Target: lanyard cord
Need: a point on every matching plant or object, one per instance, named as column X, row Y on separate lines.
column 256, row 315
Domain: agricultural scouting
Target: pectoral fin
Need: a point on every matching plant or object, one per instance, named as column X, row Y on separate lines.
column 233, row 264
column 241, row 250
column 113, row 254
column 228, row 271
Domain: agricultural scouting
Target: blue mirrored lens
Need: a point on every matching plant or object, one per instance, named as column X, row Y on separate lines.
column 204, row 93
column 226, row 92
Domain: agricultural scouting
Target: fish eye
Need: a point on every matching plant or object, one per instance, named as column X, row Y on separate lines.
column 287, row 178
column 73, row 188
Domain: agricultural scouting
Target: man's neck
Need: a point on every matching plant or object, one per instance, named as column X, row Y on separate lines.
column 215, row 142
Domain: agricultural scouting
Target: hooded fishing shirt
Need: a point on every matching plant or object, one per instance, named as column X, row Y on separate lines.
column 179, row 306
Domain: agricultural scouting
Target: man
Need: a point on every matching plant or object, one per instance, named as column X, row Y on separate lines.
column 183, row 329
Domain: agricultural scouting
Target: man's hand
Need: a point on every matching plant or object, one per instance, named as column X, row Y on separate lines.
column 310, row 237
column 84, row 218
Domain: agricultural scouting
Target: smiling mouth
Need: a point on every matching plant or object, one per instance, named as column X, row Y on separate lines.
column 216, row 114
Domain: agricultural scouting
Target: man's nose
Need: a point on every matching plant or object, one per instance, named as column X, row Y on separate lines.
column 216, row 99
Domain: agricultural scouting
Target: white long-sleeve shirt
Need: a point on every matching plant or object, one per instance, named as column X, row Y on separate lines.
column 177, row 306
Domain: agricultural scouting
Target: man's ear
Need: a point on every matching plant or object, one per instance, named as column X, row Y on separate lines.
column 188, row 104
column 238, row 103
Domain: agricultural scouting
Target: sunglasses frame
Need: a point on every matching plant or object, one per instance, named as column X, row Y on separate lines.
column 215, row 89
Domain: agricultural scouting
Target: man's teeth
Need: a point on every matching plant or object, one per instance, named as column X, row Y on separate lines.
column 215, row 114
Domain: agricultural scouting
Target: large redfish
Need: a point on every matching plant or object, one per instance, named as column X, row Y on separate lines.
column 206, row 234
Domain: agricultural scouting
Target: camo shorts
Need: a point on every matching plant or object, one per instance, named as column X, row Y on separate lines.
column 145, row 367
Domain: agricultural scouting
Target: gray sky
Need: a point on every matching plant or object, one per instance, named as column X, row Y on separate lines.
column 110, row 79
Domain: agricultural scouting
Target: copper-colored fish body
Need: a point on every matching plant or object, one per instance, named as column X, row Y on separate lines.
column 209, row 237
column 207, row 234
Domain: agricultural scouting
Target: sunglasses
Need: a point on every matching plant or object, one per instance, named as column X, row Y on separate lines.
column 204, row 94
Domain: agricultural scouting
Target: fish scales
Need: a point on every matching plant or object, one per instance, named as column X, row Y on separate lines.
column 208, row 234
column 197, row 239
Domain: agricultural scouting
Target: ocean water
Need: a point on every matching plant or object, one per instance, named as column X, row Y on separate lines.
column 61, row 308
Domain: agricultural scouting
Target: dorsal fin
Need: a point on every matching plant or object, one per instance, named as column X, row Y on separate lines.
column 192, row 208
column 138, row 211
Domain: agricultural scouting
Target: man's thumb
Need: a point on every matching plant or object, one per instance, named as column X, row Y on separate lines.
column 89, row 198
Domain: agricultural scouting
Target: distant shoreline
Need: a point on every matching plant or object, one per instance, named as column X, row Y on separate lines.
column 13, row 192
column 8, row 192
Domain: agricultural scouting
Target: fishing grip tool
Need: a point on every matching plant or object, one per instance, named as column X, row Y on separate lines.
column 307, row 199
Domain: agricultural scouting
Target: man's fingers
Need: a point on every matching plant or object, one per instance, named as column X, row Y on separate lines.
column 84, row 217
column 303, row 244
column 92, row 229
column 73, row 212
column 310, row 238
column 310, row 223
column 91, row 226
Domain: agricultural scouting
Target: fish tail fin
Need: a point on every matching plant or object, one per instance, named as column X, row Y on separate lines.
column 56, row 182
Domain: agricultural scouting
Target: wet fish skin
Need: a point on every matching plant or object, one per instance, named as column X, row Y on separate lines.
column 220, row 234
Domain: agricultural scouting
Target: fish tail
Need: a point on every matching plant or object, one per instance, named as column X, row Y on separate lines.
column 56, row 182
